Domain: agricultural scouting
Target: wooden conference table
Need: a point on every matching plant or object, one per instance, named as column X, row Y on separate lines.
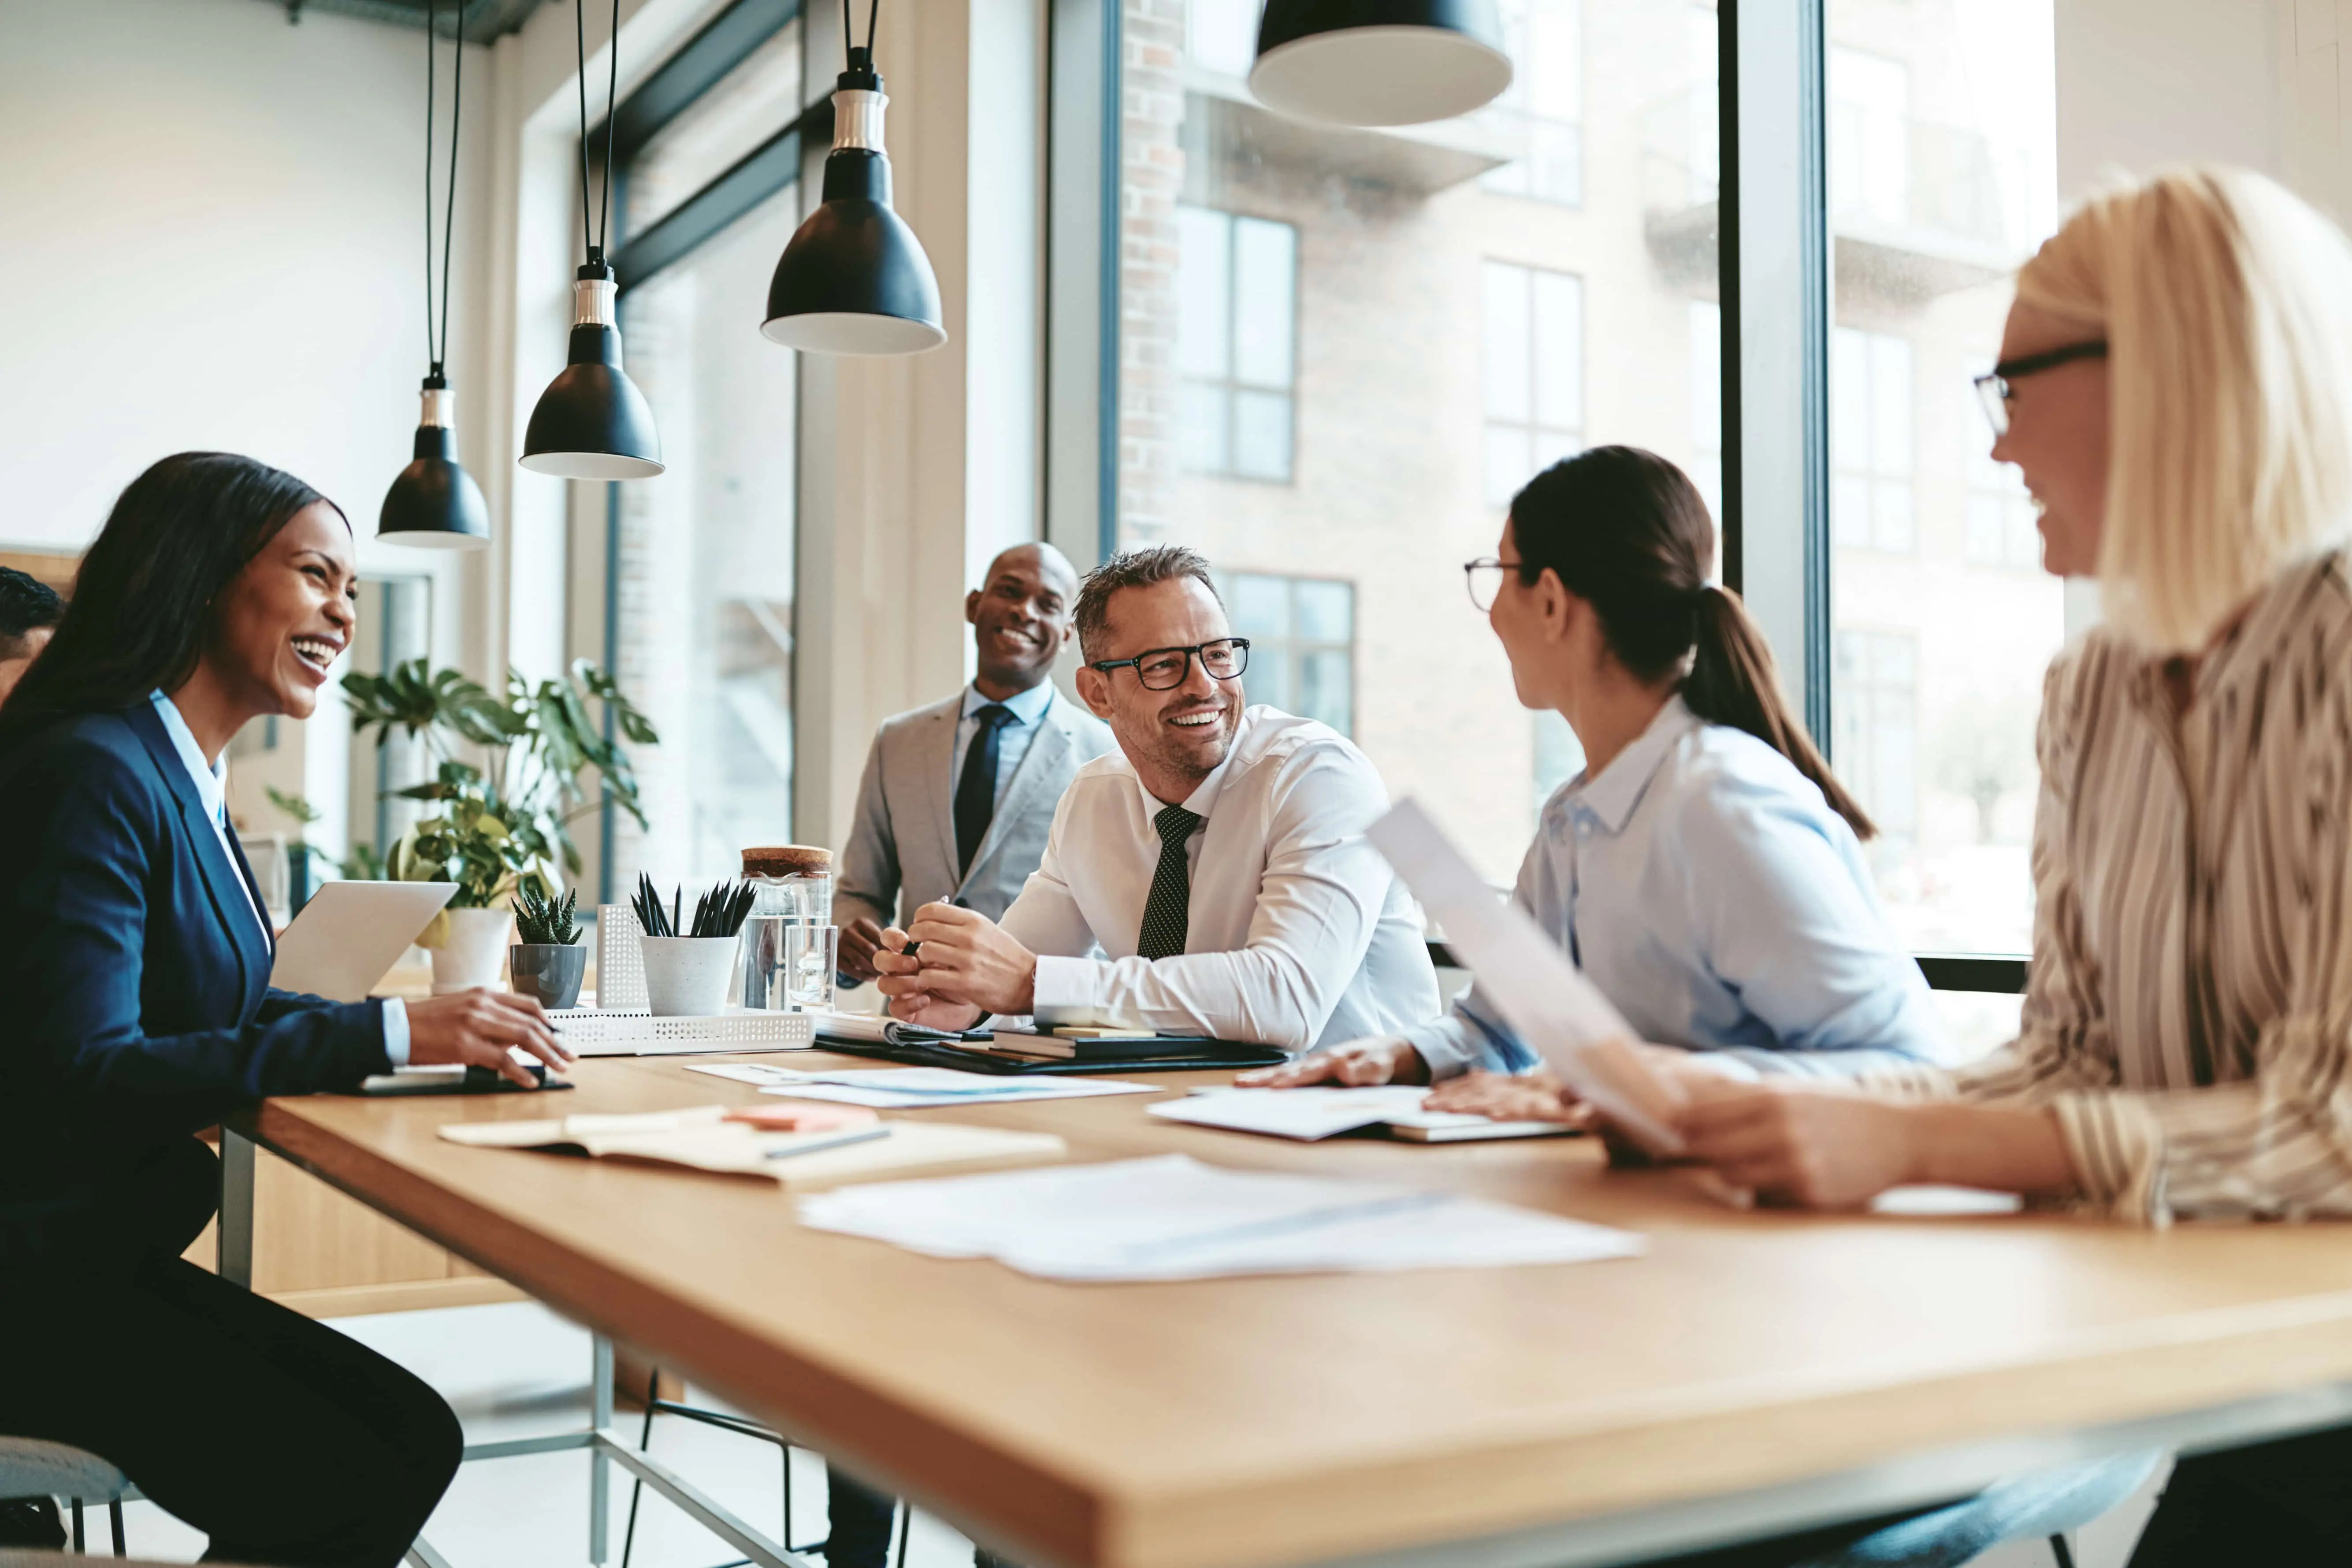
column 1754, row 1371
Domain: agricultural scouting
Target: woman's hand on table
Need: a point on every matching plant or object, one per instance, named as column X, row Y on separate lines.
column 1510, row 1097
column 1354, row 1064
column 480, row 1028
column 1831, row 1146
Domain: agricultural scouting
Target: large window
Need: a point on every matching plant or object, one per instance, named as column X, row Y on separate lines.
column 1463, row 303
column 1439, row 310
column 701, row 559
column 1942, row 179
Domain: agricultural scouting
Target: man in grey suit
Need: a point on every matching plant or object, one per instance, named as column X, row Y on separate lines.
column 958, row 796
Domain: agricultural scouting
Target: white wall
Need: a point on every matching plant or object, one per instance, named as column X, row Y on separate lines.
column 2146, row 83
column 216, row 239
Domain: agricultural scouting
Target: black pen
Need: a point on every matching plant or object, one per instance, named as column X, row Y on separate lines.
column 909, row 950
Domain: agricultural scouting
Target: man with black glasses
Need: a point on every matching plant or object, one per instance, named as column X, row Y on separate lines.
column 1210, row 876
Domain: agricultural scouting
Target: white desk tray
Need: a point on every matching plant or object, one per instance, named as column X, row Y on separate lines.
column 640, row 1033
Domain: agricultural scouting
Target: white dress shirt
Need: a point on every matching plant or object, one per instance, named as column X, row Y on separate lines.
column 211, row 789
column 1028, row 710
column 1299, row 932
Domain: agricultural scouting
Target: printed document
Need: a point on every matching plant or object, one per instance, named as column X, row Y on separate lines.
column 1561, row 1015
column 1173, row 1217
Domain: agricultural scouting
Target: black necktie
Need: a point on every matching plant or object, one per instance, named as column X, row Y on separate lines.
column 975, row 796
column 1167, row 913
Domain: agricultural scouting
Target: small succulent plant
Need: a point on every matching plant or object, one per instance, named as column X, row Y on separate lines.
column 542, row 920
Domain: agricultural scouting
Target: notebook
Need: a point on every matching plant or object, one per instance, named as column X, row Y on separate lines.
column 1311, row 1114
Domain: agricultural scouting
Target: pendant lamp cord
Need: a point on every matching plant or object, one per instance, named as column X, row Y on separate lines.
column 438, row 355
column 849, row 31
column 595, row 238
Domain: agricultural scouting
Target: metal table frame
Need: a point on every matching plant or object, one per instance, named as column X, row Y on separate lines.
column 1909, row 1480
column 603, row 1441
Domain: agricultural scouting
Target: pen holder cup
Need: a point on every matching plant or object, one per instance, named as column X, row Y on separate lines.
column 686, row 976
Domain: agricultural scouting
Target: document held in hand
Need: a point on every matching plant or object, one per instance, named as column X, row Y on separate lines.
column 1525, row 977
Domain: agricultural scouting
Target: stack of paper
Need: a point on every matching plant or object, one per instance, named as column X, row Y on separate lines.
column 912, row 1089
column 1173, row 1217
column 1308, row 1114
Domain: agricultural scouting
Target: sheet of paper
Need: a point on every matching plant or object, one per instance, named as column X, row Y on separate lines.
column 902, row 1088
column 1302, row 1113
column 1530, row 982
column 1173, row 1217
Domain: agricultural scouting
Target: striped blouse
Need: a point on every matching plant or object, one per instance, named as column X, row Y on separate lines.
column 2188, row 1010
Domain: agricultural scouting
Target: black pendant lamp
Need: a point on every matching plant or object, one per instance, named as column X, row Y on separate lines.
column 1379, row 62
column 855, row 279
column 435, row 502
column 591, row 422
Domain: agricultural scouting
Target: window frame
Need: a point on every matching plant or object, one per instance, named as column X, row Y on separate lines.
column 775, row 166
column 1774, row 298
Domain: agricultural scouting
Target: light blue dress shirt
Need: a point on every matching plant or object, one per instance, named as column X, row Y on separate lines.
column 1707, row 887
column 208, row 778
column 1011, row 738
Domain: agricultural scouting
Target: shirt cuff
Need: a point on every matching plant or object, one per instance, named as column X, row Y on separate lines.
column 1441, row 1048
column 1068, row 982
column 396, row 1031
column 2117, row 1146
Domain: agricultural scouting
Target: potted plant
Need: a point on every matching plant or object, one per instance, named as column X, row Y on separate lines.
column 548, row 963
column 507, row 821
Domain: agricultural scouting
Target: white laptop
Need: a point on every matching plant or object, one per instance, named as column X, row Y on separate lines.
column 351, row 934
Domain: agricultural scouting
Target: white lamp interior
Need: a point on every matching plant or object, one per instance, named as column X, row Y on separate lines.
column 1380, row 76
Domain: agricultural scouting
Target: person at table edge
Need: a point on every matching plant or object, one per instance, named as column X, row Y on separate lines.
column 136, row 969
column 1209, row 877
column 956, row 797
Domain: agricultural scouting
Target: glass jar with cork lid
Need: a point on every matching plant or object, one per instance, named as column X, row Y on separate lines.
column 789, row 945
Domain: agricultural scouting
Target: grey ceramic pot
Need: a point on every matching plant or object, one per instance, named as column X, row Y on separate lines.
column 547, row 972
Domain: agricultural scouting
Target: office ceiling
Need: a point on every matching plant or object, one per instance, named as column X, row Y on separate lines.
column 485, row 19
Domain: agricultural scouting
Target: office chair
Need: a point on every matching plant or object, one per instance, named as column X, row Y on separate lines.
column 31, row 1466
column 655, row 1405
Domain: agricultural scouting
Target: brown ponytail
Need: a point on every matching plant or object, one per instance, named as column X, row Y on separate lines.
column 1733, row 680
column 1627, row 531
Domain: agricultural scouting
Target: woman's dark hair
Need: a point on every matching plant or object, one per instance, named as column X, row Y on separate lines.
column 142, row 604
column 1626, row 532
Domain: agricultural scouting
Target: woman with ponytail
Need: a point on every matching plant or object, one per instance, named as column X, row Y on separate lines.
column 1706, row 867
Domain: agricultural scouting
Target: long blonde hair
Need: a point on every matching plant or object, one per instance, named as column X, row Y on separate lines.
column 2227, row 307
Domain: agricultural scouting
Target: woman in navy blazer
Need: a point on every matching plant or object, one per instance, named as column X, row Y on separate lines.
column 134, row 969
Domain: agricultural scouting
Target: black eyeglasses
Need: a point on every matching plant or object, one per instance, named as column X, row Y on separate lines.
column 1994, row 389
column 1164, row 668
column 1483, row 577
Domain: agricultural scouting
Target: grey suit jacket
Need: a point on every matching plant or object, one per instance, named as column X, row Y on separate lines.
column 901, row 853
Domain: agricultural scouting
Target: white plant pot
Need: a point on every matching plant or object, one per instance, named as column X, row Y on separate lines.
column 474, row 952
column 686, row 976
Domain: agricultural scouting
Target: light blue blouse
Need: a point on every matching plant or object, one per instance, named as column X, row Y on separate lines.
column 1707, row 888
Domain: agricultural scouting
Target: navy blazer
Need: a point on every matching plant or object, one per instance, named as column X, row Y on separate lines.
column 135, row 1005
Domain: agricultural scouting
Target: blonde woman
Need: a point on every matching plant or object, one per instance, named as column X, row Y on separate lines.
column 2176, row 384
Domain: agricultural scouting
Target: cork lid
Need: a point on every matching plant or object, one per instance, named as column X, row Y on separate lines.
column 787, row 860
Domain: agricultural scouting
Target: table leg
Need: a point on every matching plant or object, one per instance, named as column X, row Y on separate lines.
column 600, row 1468
column 234, row 1237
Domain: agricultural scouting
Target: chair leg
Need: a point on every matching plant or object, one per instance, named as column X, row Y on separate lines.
column 905, row 1529
column 77, row 1525
column 637, row 1485
column 114, row 1518
column 2062, row 1551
